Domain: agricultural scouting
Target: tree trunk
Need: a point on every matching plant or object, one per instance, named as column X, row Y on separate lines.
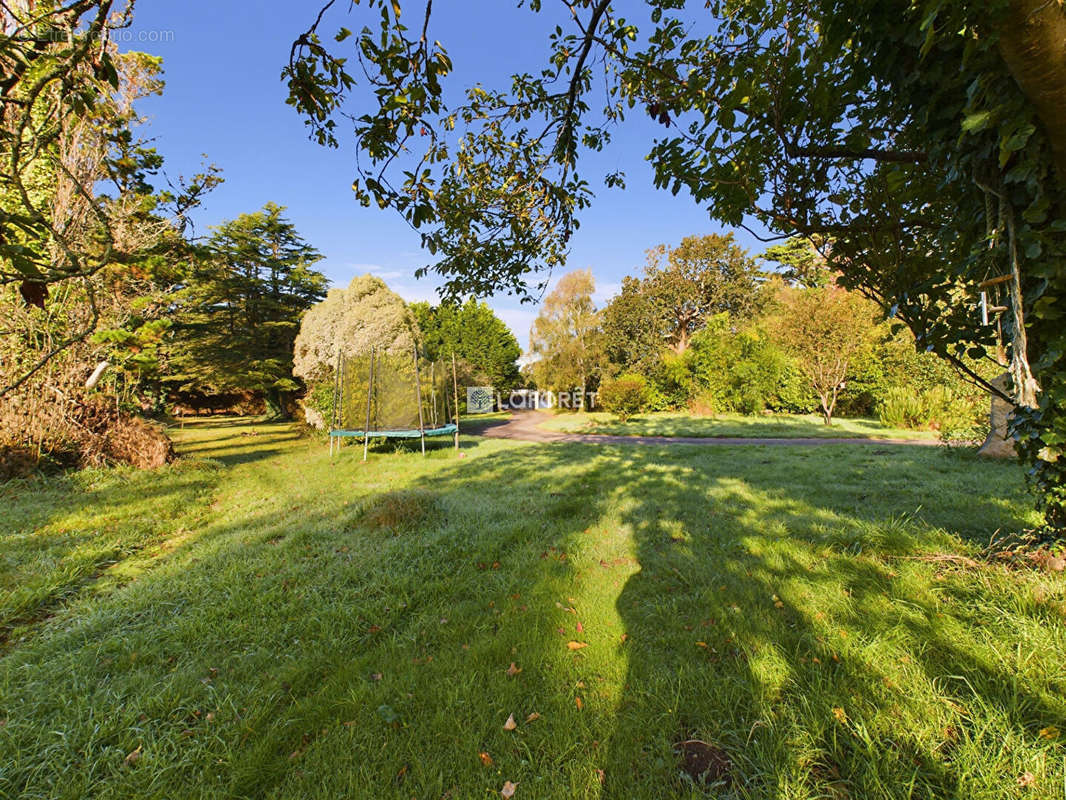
column 999, row 443
column 1032, row 42
column 681, row 345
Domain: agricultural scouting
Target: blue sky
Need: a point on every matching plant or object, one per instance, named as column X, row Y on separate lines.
column 224, row 98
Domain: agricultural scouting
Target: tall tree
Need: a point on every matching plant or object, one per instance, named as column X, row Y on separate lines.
column 75, row 197
column 632, row 335
column 350, row 323
column 924, row 138
column 473, row 333
column 240, row 311
column 566, row 337
column 703, row 275
column 825, row 330
column 800, row 262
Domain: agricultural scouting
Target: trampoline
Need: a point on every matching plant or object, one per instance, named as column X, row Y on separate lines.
column 393, row 396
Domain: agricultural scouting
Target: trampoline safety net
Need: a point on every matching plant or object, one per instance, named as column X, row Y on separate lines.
column 383, row 394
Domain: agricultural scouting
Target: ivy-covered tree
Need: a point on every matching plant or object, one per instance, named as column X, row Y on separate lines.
column 349, row 323
column 239, row 312
column 924, row 139
column 473, row 333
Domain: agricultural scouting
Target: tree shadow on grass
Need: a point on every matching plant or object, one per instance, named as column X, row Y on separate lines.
column 62, row 533
column 742, row 596
column 792, row 624
column 787, row 613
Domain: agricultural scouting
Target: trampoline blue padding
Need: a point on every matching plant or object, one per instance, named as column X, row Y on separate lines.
column 444, row 430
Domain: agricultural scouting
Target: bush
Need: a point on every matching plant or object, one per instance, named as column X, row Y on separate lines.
column 901, row 407
column 703, row 404
column 625, row 395
column 956, row 416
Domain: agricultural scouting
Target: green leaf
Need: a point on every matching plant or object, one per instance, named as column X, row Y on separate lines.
column 976, row 121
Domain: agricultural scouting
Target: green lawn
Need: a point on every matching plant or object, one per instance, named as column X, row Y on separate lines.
column 271, row 625
column 788, row 426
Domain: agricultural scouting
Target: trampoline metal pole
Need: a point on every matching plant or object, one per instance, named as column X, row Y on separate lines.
column 455, row 387
column 418, row 394
column 336, row 401
column 369, row 394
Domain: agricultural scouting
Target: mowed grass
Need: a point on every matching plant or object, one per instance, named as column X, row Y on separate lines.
column 323, row 630
column 789, row 426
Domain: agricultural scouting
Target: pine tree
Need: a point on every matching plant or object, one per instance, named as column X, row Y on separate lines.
column 240, row 310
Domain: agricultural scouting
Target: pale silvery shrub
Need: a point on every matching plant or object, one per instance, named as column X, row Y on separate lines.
column 367, row 314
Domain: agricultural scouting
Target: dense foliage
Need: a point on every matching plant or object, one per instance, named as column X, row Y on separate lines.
column 925, row 139
column 473, row 333
column 624, row 396
column 566, row 336
column 824, row 330
column 349, row 323
column 238, row 313
column 89, row 248
column 681, row 288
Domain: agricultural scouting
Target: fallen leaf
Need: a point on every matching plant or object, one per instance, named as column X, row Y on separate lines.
column 1050, row 732
column 375, row 676
column 580, row 628
column 532, row 717
column 134, row 756
column 1026, row 779
column 513, row 670
column 579, row 703
column 486, row 759
column 507, row 791
column 601, row 775
column 374, row 629
column 625, row 636
column 576, row 645
column 701, row 644
column 841, row 716
column 510, row 725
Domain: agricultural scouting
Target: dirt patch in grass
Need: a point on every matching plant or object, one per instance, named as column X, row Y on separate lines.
column 704, row 762
column 400, row 510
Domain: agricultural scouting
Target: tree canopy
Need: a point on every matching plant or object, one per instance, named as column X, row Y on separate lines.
column 825, row 330
column 801, row 262
column 472, row 332
column 238, row 314
column 682, row 287
column 566, row 337
column 924, row 139
column 350, row 322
